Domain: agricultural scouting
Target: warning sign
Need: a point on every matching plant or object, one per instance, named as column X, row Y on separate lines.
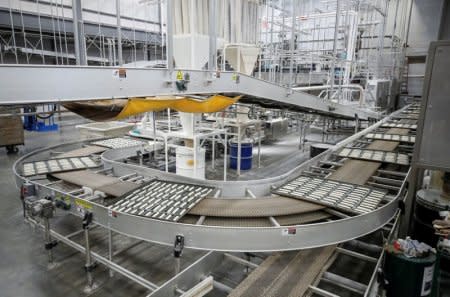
column 120, row 73
column 83, row 203
column 289, row 231
column 179, row 75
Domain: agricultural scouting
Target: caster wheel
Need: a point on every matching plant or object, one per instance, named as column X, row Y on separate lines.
column 11, row 149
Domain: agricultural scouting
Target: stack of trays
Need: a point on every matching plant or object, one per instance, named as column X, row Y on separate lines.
column 375, row 155
column 162, row 200
column 58, row 165
column 338, row 195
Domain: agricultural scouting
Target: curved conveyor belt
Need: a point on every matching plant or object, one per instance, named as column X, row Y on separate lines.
column 244, row 224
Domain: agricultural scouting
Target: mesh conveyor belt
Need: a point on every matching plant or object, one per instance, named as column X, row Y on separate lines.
column 285, row 274
column 107, row 184
column 275, row 277
column 258, row 207
column 295, row 219
column 82, row 152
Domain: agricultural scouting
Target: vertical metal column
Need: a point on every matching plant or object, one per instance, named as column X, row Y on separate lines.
column 225, row 157
column 90, row 279
column 110, row 248
column 169, row 35
column 336, row 30
column 48, row 242
column 239, row 150
column 90, row 265
column 291, row 46
column 119, row 33
column 212, row 35
column 78, row 32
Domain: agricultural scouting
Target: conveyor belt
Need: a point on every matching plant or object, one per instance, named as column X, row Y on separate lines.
column 365, row 169
column 391, row 137
column 294, row 219
column 119, row 142
column 259, row 207
column 58, row 165
column 163, row 200
column 106, row 184
column 339, row 195
column 285, row 274
column 83, row 152
column 399, row 125
column 276, row 276
column 374, row 155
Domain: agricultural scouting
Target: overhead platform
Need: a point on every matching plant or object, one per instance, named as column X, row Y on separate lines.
column 40, row 84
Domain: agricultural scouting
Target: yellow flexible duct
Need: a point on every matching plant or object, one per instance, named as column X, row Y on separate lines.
column 212, row 104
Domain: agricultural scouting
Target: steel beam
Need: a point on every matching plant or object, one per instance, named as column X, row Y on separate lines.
column 39, row 84
column 78, row 32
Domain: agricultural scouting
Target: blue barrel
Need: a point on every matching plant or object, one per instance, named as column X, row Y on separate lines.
column 246, row 155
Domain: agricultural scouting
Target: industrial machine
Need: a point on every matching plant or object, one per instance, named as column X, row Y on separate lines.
column 309, row 208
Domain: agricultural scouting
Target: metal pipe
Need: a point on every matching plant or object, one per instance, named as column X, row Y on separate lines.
column 344, row 282
column 365, row 246
column 336, row 213
column 387, row 187
column 169, row 35
column 322, row 292
column 48, row 240
column 119, row 33
column 200, row 220
column 388, row 181
column 292, row 44
column 239, row 260
column 356, row 255
column 336, row 29
column 88, row 265
column 78, row 32
column 212, row 35
column 274, row 222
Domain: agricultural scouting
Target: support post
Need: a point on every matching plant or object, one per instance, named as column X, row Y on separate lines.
column 110, row 250
column 119, row 33
column 292, row 46
column 239, row 150
column 336, row 30
column 90, row 265
column 49, row 244
column 225, row 157
column 212, row 35
column 169, row 35
column 259, row 144
column 177, row 251
column 78, row 33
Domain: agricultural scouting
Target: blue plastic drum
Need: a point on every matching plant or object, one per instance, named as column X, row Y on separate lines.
column 246, row 155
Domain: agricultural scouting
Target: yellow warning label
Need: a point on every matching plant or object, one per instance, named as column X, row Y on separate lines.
column 83, row 203
column 179, row 75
